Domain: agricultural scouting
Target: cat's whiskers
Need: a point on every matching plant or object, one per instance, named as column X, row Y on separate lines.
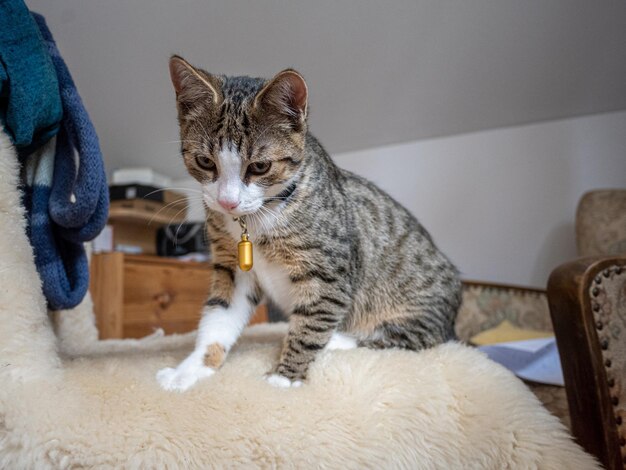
column 275, row 211
column 160, row 190
column 257, row 223
column 277, row 217
column 260, row 221
column 174, row 203
column 179, row 225
column 166, row 206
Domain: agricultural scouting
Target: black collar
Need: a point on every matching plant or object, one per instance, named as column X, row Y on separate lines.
column 284, row 194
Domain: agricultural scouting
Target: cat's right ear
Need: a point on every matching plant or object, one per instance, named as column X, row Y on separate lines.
column 193, row 85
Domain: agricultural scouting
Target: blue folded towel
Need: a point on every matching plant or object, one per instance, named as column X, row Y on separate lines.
column 65, row 188
column 78, row 203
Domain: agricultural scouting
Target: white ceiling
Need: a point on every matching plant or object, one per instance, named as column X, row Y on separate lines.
column 379, row 72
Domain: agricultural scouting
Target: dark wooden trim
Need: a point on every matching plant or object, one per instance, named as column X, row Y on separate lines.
column 591, row 411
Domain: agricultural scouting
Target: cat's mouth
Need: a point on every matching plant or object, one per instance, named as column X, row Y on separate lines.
column 236, row 212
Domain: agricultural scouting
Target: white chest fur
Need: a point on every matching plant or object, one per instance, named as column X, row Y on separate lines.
column 274, row 281
column 272, row 277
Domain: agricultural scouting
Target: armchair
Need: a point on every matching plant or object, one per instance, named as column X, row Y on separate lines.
column 587, row 300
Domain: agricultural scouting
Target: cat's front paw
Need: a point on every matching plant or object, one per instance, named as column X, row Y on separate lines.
column 182, row 377
column 281, row 381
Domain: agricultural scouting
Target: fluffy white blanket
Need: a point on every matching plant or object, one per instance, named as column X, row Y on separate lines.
column 97, row 404
column 449, row 407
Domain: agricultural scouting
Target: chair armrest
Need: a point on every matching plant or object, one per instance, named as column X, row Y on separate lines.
column 587, row 300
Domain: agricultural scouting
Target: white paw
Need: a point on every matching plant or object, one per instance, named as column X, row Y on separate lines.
column 341, row 341
column 280, row 381
column 182, row 377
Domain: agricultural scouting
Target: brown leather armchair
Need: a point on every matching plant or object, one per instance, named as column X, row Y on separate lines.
column 587, row 300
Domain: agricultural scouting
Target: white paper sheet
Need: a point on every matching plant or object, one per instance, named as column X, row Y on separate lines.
column 534, row 359
column 103, row 243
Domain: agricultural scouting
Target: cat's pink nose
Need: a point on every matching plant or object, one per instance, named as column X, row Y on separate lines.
column 228, row 204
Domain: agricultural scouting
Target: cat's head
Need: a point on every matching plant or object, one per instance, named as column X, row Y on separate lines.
column 242, row 138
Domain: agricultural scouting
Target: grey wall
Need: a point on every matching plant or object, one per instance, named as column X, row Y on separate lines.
column 379, row 72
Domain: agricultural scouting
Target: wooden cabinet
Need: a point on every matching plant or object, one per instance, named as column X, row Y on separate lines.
column 135, row 294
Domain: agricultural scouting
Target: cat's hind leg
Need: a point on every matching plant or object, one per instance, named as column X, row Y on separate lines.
column 415, row 332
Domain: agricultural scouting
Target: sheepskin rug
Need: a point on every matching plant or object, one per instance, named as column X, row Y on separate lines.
column 68, row 400
column 449, row 407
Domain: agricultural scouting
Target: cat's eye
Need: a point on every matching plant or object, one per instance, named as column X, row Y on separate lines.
column 259, row 168
column 205, row 162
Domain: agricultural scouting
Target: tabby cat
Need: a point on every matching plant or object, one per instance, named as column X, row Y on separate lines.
column 348, row 264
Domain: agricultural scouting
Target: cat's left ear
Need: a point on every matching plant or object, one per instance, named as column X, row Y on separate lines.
column 285, row 94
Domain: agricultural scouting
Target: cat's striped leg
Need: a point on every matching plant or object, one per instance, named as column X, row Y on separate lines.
column 226, row 313
column 312, row 324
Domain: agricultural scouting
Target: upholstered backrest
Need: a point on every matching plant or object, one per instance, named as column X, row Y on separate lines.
column 486, row 305
column 601, row 223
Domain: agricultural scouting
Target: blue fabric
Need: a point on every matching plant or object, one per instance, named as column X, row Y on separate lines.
column 65, row 193
column 62, row 264
column 78, row 203
column 85, row 218
column 30, row 103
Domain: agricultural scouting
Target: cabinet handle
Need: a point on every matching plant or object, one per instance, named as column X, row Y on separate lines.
column 164, row 299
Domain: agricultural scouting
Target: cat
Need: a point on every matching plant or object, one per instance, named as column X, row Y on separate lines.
column 347, row 263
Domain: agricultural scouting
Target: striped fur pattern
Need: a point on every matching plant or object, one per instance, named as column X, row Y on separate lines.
column 336, row 253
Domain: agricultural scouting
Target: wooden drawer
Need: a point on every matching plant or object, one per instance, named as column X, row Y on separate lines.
column 163, row 295
column 134, row 295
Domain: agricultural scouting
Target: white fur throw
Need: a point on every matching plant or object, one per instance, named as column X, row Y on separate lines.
column 449, row 407
column 97, row 403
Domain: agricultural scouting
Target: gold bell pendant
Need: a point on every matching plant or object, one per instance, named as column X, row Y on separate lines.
column 245, row 253
column 244, row 247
